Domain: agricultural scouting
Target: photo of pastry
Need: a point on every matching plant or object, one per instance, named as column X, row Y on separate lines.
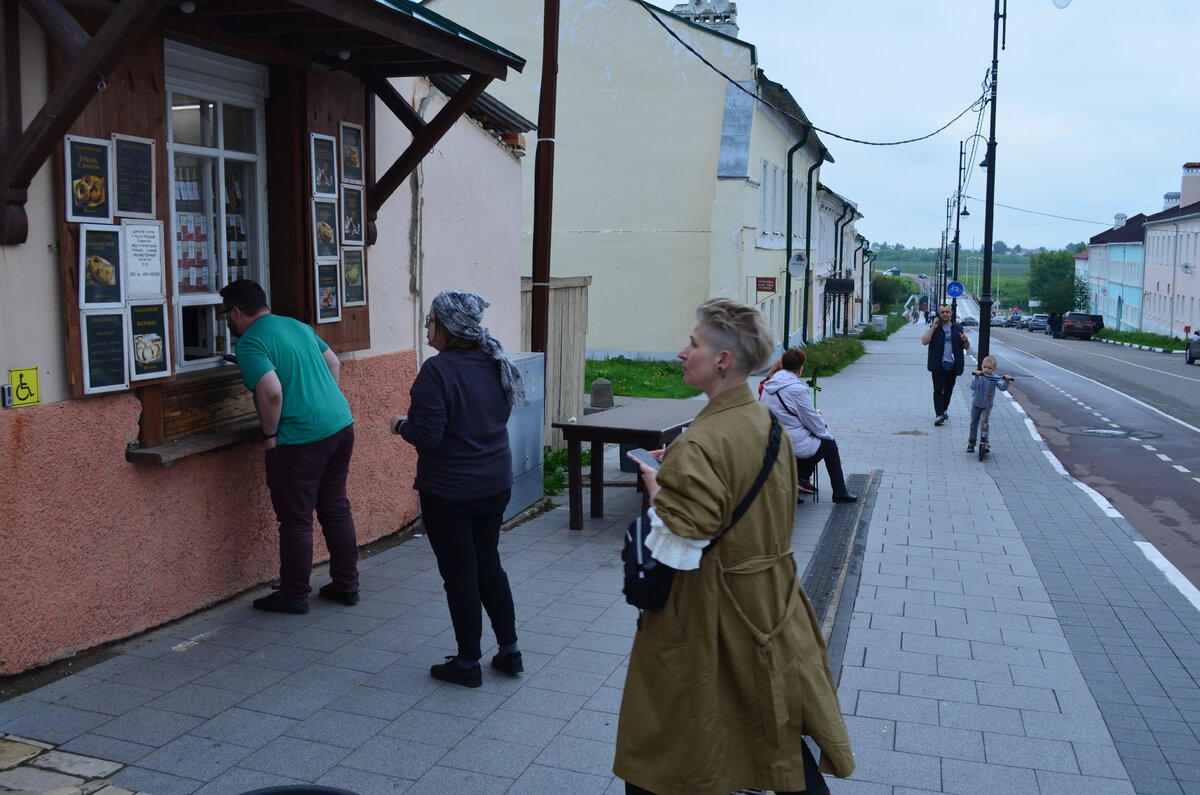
column 88, row 191
column 99, row 270
column 328, row 298
column 148, row 348
column 324, row 232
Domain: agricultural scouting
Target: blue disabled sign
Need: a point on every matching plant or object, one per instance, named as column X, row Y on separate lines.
column 954, row 289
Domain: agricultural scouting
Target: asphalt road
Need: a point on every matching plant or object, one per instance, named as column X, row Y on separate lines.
column 1126, row 422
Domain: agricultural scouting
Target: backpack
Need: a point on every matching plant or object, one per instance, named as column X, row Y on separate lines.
column 648, row 581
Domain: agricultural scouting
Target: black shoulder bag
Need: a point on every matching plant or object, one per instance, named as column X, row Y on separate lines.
column 647, row 581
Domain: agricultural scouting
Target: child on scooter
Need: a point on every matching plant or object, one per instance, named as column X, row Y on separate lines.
column 983, row 389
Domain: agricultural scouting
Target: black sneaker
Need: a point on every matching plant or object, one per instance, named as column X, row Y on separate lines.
column 451, row 672
column 327, row 591
column 274, row 603
column 940, row 419
column 510, row 664
column 971, row 446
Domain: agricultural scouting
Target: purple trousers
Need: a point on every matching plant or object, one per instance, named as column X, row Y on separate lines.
column 303, row 478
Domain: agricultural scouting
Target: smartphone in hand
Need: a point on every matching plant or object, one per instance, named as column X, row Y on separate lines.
column 643, row 457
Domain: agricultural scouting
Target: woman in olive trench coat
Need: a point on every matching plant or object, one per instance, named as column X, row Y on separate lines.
column 726, row 680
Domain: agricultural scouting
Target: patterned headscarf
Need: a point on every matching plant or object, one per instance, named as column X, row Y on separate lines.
column 461, row 313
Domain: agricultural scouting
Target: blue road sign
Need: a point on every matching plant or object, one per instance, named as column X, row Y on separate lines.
column 954, row 289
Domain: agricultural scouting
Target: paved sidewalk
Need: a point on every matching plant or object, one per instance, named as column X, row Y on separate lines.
column 999, row 632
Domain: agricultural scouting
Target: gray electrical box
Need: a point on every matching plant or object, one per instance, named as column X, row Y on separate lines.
column 526, row 435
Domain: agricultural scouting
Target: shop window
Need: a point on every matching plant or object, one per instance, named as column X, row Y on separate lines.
column 217, row 200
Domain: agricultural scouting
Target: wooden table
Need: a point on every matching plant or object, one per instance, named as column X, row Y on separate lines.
column 650, row 424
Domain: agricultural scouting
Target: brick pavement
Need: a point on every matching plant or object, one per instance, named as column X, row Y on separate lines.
column 999, row 631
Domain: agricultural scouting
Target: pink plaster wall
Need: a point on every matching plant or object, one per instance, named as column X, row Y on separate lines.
column 93, row 548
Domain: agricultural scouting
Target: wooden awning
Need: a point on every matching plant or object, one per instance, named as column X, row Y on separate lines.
column 373, row 39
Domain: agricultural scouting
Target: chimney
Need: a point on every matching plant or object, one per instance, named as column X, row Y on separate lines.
column 1189, row 191
column 1119, row 220
column 1170, row 199
column 718, row 15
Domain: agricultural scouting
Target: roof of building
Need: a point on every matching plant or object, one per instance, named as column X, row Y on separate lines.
column 1129, row 232
column 487, row 110
column 1173, row 213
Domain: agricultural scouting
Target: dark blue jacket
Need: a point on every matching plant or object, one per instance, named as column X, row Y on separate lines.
column 938, row 343
column 458, row 422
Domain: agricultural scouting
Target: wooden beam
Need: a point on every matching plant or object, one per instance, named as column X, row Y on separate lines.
column 77, row 88
column 423, row 143
column 62, row 28
column 388, row 95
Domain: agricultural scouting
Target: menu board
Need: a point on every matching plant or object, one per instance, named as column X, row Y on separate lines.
column 352, row 153
column 101, row 272
column 104, row 368
column 354, row 277
column 324, row 166
column 329, row 299
column 325, row 225
column 88, row 173
column 149, row 340
column 134, row 176
column 352, row 216
column 145, row 258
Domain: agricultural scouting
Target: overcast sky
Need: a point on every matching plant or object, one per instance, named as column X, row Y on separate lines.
column 1096, row 112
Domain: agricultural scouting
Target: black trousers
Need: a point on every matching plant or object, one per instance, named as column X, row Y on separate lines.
column 827, row 452
column 465, row 536
column 943, row 388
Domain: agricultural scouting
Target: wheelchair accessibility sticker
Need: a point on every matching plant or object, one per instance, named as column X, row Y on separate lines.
column 24, row 384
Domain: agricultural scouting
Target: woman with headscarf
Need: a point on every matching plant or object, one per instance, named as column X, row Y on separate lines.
column 458, row 422
column 727, row 679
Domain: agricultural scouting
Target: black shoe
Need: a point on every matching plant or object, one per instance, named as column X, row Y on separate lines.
column 333, row 594
column 510, row 664
column 845, row 497
column 940, row 419
column 971, row 446
column 450, row 671
column 274, row 603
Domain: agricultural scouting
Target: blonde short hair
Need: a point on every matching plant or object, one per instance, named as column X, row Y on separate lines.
column 732, row 326
column 987, row 359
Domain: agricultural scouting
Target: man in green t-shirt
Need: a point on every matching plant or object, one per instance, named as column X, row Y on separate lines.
column 308, row 433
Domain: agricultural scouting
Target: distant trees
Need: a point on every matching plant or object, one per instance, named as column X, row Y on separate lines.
column 999, row 247
column 1053, row 282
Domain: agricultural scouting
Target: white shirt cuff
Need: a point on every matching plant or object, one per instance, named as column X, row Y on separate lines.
column 675, row 551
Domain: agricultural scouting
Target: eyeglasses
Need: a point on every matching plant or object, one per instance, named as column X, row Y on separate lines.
column 428, row 318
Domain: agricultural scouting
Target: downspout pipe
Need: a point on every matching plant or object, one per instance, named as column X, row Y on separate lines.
column 859, row 248
column 787, row 265
column 838, row 226
column 808, row 243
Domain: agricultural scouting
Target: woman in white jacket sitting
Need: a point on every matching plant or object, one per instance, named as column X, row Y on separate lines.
column 790, row 400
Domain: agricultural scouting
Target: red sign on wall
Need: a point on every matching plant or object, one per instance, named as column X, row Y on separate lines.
column 765, row 284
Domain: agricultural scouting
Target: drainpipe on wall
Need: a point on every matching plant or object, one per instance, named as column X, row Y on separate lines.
column 838, row 226
column 808, row 244
column 863, row 288
column 787, row 266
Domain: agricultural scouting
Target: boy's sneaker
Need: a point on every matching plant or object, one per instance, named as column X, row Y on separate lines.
column 971, row 446
column 987, row 448
column 806, row 486
column 940, row 419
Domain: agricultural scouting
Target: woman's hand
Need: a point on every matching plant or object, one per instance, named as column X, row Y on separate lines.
column 397, row 420
column 650, row 476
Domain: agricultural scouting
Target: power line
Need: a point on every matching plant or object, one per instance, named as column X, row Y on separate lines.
column 980, row 102
column 1035, row 212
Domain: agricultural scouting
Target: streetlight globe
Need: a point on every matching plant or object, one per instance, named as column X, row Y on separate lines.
column 1061, row 3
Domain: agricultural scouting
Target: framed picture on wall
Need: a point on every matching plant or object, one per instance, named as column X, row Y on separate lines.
column 133, row 176
column 101, row 267
column 329, row 292
column 352, row 153
column 352, row 216
column 104, row 365
column 325, row 225
column 354, row 277
column 89, row 174
column 324, row 166
column 149, row 339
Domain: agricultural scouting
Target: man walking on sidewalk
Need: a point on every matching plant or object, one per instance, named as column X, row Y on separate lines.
column 308, row 436
column 947, row 341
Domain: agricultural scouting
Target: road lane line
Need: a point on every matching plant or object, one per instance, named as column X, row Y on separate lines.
column 1174, row 576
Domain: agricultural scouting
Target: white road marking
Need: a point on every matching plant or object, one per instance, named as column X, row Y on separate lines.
column 1174, row 576
column 1182, row 468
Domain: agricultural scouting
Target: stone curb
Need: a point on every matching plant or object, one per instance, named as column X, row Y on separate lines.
column 1139, row 347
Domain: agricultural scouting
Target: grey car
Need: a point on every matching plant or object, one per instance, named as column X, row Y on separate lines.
column 1193, row 348
column 1039, row 323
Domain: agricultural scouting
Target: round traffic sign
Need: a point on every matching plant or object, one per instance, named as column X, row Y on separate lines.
column 954, row 289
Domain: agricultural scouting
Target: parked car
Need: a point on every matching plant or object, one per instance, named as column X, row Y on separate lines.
column 1097, row 322
column 1013, row 321
column 1024, row 321
column 968, row 321
column 1076, row 324
column 999, row 322
column 1039, row 323
column 1192, row 353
